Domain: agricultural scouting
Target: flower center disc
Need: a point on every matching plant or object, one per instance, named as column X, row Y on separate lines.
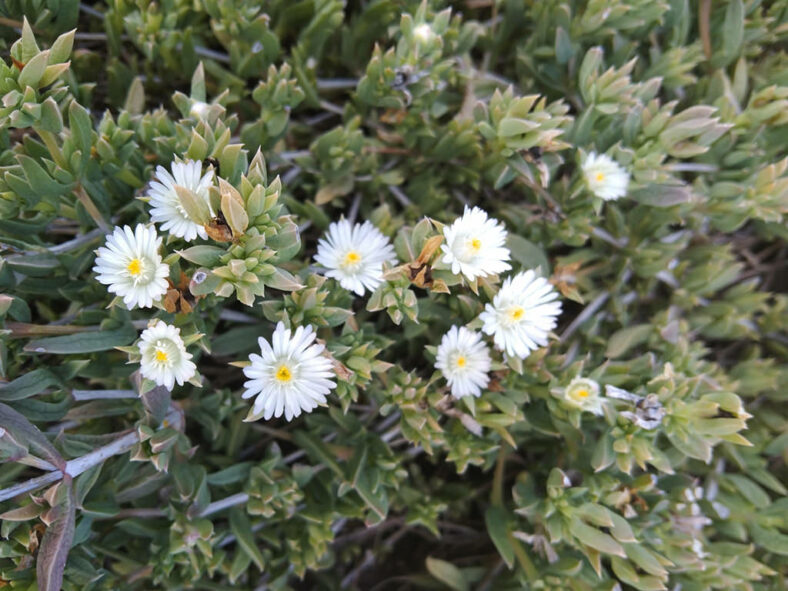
column 515, row 314
column 600, row 176
column 351, row 260
column 461, row 361
column 283, row 374
column 134, row 267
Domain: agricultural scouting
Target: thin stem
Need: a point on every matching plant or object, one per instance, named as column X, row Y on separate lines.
column 336, row 83
column 32, row 484
column 587, row 313
column 119, row 446
column 226, row 503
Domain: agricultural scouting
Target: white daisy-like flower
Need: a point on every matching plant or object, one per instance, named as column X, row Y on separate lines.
column 289, row 376
column 605, row 177
column 475, row 245
column 131, row 266
column 164, row 356
column 522, row 314
column 464, row 360
column 354, row 255
column 199, row 109
column 583, row 393
column 423, row 33
column 166, row 207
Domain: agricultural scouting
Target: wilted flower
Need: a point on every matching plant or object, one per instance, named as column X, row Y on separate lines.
column 164, row 356
column 605, row 177
column 522, row 314
column 464, row 360
column 166, row 205
column 583, row 393
column 354, row 255
column 131, row 266
column 475, row 245
column 289, row 376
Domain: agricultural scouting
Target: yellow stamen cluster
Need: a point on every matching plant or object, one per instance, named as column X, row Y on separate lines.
column 283, row 374
column 516, row 313
column 352, row 258
column 134, row 267
column 161, row 355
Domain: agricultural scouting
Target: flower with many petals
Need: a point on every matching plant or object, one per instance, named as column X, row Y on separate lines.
column 464, row 360
column 166, row 205
column 354, row 255
column 605, row 177
column 164, row 358
column 475, row 245
column 522, row 314
column 583, row 393
column 289, row 376
column 131, row 266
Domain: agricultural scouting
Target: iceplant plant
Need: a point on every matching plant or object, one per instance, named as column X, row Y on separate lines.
column 130, row 265
column 475, row 245
column 354, row 255
column 522, row 314
column 289, row 376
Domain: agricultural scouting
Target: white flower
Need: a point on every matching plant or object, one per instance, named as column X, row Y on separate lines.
column 166, row 206
column 464, row 360
column 475, row 245
column 423, row 33
column 605, row 177
column 199, row 109
column 130, row 264
column 289, row 376
column 164, row 356
column 583, row 393
column 521, row 314
column 354, row 255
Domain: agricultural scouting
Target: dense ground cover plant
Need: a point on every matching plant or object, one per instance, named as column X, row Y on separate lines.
column 393, row 295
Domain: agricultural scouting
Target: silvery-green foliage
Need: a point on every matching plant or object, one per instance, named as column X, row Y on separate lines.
column 400, row 112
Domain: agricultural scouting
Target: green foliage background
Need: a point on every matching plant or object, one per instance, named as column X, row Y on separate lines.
column 676, row 290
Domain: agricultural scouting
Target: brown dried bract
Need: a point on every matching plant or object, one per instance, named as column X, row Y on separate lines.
column 219, row 230
column 420, row 270
column 564, row 278
column 178, row 297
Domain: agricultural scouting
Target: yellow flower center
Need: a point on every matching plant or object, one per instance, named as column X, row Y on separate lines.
column 600, row 176
column 516, row 313
column 583, row 393
column 352, row 258
column 135, row 267
column 461, row 361
column 283, row 374
column 476, row 244
column 161, row 355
